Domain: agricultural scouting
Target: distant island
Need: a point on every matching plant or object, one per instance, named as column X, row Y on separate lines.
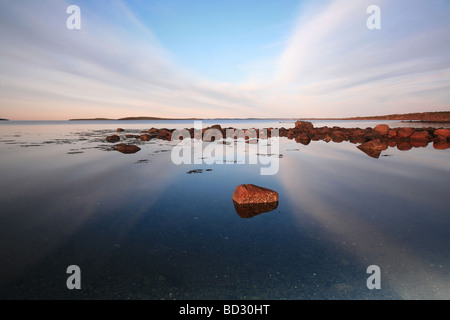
column 3, row 119
column 438, row 116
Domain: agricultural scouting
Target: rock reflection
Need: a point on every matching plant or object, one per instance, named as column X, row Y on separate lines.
column 372, row 141
column 250, row 210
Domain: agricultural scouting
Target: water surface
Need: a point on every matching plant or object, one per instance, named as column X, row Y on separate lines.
column 140, row 227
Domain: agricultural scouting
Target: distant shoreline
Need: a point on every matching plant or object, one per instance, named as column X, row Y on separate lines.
column 432, row 117
column 133, row 118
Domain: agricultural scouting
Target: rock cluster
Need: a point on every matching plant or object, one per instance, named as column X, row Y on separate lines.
column 305, row 132
column 371, row 140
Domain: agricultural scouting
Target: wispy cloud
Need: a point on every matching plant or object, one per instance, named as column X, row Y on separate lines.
column 330, row 65
column 332, row 59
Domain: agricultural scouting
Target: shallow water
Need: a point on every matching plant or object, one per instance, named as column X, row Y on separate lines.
column 140, row 227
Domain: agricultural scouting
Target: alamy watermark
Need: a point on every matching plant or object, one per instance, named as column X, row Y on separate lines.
column 374, row 20
column 73, row 22
column 227, row 146
column 74, row 280
column 374, row 280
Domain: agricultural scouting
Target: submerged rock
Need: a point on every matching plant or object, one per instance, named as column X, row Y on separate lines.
column 251, row 210
column 127, row 148
column 146, row 137
column 113, row 139
column 251, row 194
column 372, row 148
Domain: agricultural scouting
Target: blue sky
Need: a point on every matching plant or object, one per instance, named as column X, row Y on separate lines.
column 245, row 58
column 219, row 38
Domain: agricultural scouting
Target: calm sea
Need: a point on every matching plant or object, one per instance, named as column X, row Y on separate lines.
column 140, row 227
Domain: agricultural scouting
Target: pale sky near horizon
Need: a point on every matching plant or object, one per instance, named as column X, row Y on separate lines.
column 224, row 58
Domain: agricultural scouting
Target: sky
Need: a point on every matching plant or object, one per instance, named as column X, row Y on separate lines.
column 223, row 59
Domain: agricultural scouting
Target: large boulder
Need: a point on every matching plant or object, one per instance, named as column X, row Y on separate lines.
column 251, row 194
column 405, row 132
column 304, row 125
column 442, row 133
column 372, row 148
column 392, row 134
column 383, row 129
column 420, row 136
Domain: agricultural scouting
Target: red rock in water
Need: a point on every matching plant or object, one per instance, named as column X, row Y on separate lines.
column 146, row 137
column 113, row 139
column 251, row 194
column 372, row 148
column 420, row 136
column 442, row 133
column 251, row 210
column 216, row 126
column 165, row 134
column 404, row 145
column 304, row 125
column 338, row 136
column 405, row 132
column 392, row 143
column 419, row 143
column 127, row 148
column 382, row 129
column 441, row 145
column 120, row 130
column 392, row 133
column 303, row 138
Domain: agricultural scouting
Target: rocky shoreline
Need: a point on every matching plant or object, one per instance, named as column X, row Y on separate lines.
column 372, row 141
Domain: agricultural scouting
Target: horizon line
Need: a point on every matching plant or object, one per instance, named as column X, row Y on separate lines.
column 148, row 118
